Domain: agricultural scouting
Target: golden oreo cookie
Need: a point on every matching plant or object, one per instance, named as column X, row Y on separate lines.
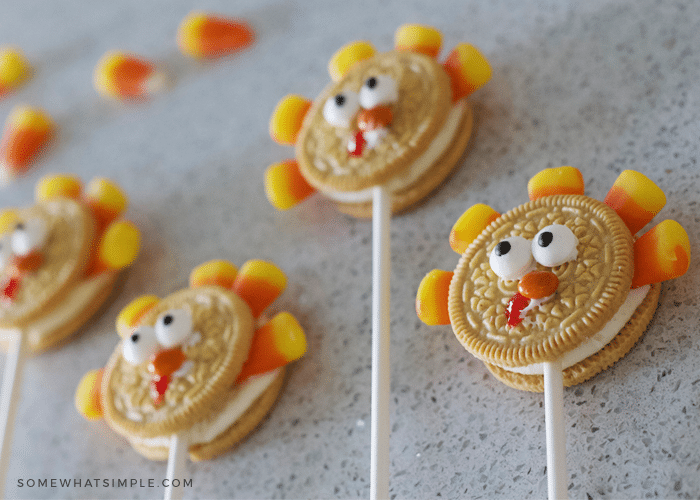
column 195, row 364
column 397, row 119
column 550, row 280
column 60, row 258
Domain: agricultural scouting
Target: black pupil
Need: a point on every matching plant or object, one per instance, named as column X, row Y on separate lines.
column 372, row 82
column 339, row 99
column 502, row 248
column 545, row 239
column 19, row 227
column 167, row 320
column 135, row 338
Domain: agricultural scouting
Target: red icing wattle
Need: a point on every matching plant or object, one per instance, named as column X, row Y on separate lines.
column 516, row 304
column 158, row 387
column 10, row 289
column 359, row 144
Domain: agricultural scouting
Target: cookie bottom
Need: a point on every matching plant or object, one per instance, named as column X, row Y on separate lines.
column 73, row 321
column 231, row 436
column 620, row 345
column 410, row 196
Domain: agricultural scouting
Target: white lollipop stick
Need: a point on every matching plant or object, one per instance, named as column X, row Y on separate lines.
column 381, row 274
column 176, row 466
column 11, row 382
column 556, row 436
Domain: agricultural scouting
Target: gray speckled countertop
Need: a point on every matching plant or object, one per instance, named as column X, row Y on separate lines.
column 603, row 85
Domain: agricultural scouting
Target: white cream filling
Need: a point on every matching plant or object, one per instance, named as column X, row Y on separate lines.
column 206, row 430
column 77, row 299
column 598, row 341
column 420, row 165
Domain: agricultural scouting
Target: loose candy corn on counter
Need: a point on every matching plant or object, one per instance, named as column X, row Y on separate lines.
column 173, row 105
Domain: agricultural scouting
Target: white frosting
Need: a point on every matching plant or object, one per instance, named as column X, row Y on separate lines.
column 598, row 341
column 77, row 300
column 239, row 400
column 408, row 176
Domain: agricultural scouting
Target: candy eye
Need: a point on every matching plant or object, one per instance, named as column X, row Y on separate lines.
column 339, row 109
column 140, row 345
column 28, row 236
column 554, row 245
column 511, row 258
column 173, row 327
column 378, row 90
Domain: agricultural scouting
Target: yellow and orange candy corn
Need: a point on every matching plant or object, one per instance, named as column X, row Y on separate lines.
column 287, row 119
column 551, row 181
column 27, row 130
column 127, row 76
column 14, row 70
column 118, row 247
column 129, row 317
column 278, row 342
column 58, row 186
column 418, row 38
column 470, row 225
column 661, row 254
column 469, row 70
column 285, row 187
column 347, row 56
column 214, row 272
column 636, row 199
column 202, row 35
column 88, row 395
column 259, row 283
column 431, row 299
column 106, row 199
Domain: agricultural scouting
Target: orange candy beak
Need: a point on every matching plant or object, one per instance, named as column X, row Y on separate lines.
column 372, row 119
column 538, row 284
column 167, row 362
column 27, row 263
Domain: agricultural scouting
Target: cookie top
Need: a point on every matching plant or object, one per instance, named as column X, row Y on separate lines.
column 216, row 329
column 592, row 284
column 422, row 101
column 63, row 230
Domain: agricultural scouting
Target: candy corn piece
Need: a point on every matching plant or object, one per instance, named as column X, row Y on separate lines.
column 126, row 76
column 118, row 247
column 468, row 70
column 661, row 254
column 431, row 299
column 88, row 395
column 129, row 317
column 58, row 186
column 417, row 38
column 470, row 225
column 287, row 118
column 285, row 187
column 276, row 343
column 203, row 35
column 348, row 55
column 259, row 283
column 214, row 272
column 26, row 132
column 14, row 70
column 636, row 199
column 551, row 181
column 106, row 199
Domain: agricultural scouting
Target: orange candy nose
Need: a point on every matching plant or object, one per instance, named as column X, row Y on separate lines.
column 167, row 362
column 372, row 119
column 538, row 284
column 207, row 36
column 29, row 262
